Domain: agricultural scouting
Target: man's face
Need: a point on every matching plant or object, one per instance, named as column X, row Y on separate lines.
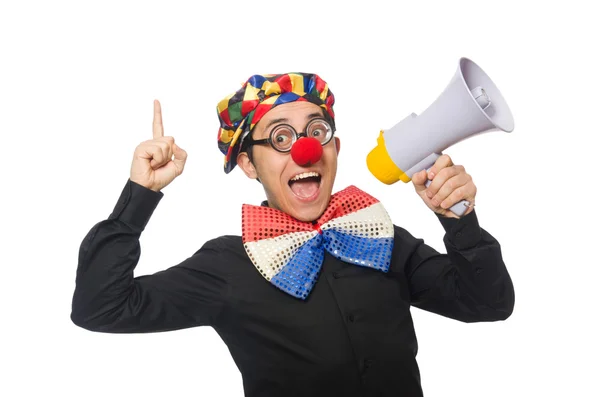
column 289, row 187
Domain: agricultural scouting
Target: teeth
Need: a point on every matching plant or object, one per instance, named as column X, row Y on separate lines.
column 305, row 175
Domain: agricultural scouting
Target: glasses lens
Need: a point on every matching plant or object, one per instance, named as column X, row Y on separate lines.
column 320, row 130
column 282, row 138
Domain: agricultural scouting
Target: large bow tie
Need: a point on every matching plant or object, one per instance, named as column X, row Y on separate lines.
column 354, row 228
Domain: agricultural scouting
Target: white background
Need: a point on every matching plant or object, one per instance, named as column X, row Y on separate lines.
column 77, row 81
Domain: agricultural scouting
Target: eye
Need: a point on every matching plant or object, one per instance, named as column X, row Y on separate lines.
column 319, row 130
column 281, row 139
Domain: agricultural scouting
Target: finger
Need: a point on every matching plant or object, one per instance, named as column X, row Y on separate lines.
column 454, row 183
column 419, row 179
column 148, row 150
column 442, row 162
column 165, row 144
column 161, row 153
column 180, row 157
column 465, row 192
column 167, row 150
column 440, row 179
column 164, row 141
column 157, row 125
column 158, row 157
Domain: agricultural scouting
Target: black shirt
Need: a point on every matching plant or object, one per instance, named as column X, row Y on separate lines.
column 352, row 336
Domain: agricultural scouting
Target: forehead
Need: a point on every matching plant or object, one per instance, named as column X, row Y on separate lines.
column 294, row 113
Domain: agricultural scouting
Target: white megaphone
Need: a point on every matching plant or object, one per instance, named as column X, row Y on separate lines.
column 471, row 104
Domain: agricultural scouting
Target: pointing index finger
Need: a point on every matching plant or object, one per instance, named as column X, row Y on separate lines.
column 157, row 126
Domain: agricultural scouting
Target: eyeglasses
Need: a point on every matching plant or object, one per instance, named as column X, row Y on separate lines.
column 283, row 136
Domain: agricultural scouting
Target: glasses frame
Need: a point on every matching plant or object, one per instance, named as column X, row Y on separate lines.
column 249, row 141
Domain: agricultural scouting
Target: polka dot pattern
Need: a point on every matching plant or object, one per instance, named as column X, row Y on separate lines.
column 354, row 228
column 271, row 255
column 298, row 277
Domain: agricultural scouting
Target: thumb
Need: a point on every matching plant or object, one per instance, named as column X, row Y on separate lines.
column 419, row 179
column 180, row 156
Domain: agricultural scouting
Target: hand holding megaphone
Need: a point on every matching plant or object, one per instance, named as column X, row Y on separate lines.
column 445, row 186
column 470, row 104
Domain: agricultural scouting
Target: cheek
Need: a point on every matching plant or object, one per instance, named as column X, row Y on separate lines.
column 270, row 166
column 330, row 155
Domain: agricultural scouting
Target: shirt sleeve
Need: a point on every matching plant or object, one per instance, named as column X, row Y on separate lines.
column 108, row 298
column 469, row 283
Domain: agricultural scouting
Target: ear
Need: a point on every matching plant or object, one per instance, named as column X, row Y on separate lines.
column 244, row 163
column 337, row 144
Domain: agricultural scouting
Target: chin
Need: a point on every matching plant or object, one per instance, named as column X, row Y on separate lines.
column 307, row 215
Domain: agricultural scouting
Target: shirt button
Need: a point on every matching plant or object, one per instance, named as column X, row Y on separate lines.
column 458, row 235
column 335, row 275
column 350, row 317
column 368, row 363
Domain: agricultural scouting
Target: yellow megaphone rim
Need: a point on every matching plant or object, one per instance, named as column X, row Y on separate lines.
column 381, row 165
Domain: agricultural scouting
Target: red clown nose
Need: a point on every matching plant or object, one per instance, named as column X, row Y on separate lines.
column 306, row 151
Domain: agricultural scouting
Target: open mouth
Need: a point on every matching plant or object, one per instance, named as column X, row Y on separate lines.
column 305, row 185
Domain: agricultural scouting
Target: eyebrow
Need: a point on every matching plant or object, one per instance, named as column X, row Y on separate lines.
column 281, row 120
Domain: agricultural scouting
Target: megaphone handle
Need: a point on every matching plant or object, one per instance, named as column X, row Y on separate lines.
column 458, row 208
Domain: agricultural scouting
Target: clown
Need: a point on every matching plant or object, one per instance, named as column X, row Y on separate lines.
column 313, row 299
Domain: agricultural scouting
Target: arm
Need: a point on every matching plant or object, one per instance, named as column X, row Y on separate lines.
column 108, row 298
column 470, row 283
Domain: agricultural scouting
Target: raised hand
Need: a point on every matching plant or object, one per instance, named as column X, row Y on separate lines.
column 450, row 184
column 157, row 162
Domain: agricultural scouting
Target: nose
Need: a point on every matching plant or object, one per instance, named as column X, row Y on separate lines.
column 306, row 151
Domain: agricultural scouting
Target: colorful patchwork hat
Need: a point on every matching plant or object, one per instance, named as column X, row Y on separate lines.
column 241, row 111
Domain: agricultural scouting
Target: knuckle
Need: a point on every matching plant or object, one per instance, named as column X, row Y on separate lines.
column 439, row 196
column 141, row 149
column 457, row 192
column 449, row 191
column 445, row 172
column 164, row 146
